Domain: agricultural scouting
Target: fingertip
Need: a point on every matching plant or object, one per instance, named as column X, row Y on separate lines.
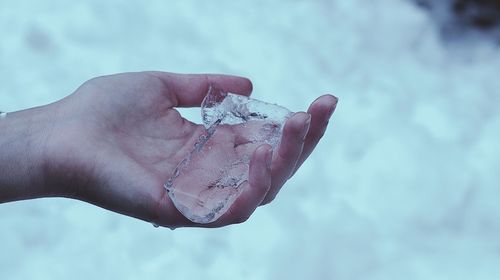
column 189, row 90
column 301, row 116
column 332, row 97
column 246, row 85
column 326, row 100
column 323, row 107
column 264, row 150
column 298, row 119
column 330, row 102
column 234, row 84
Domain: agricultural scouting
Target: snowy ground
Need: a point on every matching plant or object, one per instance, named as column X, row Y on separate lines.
column 405, row 184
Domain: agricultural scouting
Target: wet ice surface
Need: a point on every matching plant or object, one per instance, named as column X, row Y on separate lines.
column 209, row 179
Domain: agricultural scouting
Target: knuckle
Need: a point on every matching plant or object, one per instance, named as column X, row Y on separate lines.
column 265, row 202
column 96, row 84
column 95, row 80
column 151, row 78
column 241, row 219
column 91, row 83
column 268, row 199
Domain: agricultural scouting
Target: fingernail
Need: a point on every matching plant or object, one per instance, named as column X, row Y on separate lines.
column 269, row 157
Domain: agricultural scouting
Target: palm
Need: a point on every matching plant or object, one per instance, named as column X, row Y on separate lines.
column 145, row 139
column 135, row 138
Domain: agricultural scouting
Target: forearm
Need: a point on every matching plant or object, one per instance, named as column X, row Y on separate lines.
column 23, row 136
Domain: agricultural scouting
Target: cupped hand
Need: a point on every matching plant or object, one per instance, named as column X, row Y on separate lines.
column 117, row 139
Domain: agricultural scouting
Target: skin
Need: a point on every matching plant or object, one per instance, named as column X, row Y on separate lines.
column 116, row 140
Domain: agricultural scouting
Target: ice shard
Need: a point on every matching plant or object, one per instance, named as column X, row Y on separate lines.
column 209, row 179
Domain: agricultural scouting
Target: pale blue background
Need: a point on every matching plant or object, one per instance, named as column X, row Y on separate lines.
column 405, row 184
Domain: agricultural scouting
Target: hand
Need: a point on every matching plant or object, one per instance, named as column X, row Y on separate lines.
column 117, row 139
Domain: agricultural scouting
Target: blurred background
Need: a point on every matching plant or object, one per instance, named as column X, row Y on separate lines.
column 405, row 184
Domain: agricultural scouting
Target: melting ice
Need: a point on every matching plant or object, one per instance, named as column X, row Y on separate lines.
column 210, row 178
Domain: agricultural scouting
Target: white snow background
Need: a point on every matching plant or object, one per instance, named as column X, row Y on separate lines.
column 404, row 185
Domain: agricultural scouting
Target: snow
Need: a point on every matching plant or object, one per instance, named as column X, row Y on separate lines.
column 405, row 183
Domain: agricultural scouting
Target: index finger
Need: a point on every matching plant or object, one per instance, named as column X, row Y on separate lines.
column 188, row 90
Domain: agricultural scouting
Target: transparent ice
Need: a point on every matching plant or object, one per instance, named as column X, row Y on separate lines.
column 210, row 178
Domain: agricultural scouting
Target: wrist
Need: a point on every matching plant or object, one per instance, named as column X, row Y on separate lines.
column 23, row 155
